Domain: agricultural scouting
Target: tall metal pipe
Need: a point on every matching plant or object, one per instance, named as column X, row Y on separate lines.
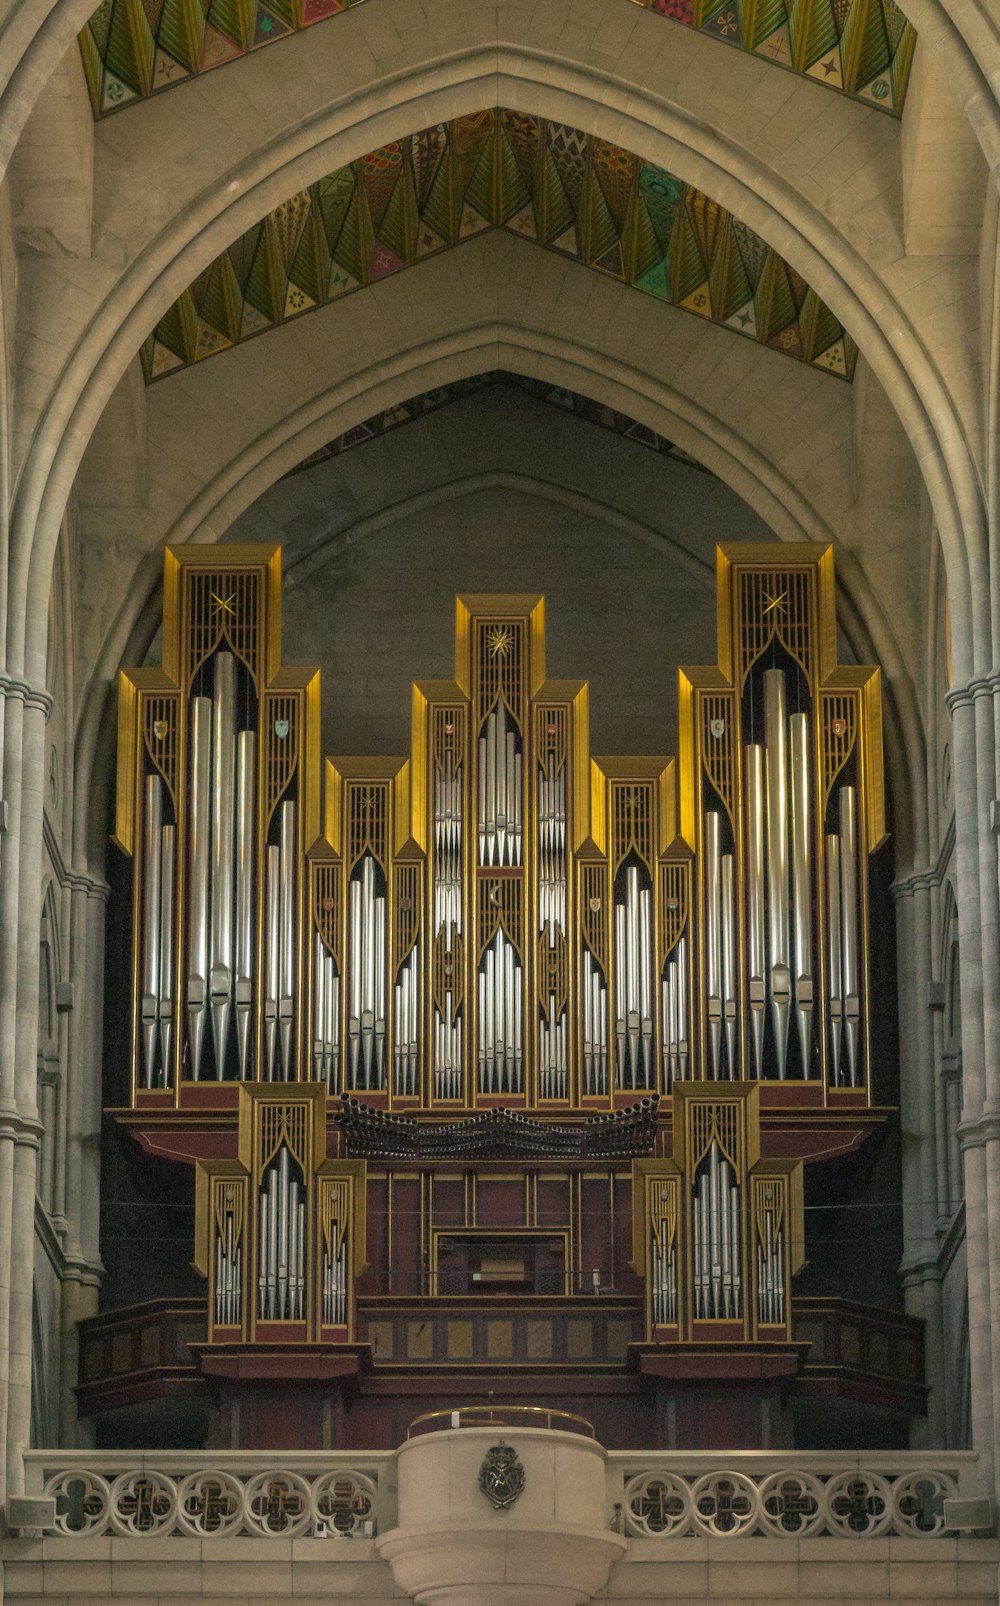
column 683, row 1050
column 727, row 945
column 756, row 948
column 835, row 984
column 223, row 826
column 286, row 997
column 150, row 923
column 713, row 940
column 273, row 976
column 199, row 839
column 777, row 860
column 849, row 927
column 802, row 888
column 168, row 865
column 246, row 797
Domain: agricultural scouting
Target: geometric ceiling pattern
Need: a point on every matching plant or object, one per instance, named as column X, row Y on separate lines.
column 863, row 48
column 136, row 48
column 576, row 195
column 431, row 401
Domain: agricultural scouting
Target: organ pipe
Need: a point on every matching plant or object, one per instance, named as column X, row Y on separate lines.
column 713, row 939
column 448, row 838
column 152, row 855
column 756, row 946
column 553, row 1032
column 406, row 1024
column 198, row 878
column 716, row 1231
column 798, row 733
column 246, row 770
column 501, row 1049
column 633, row 1000
column 326, row 1018
column 834, row 953
column 366, row 947
column 777, row 860
column 849, row 927
column 282, row 1240
column 727, row 900
column 594, row 1027
column 499, row 828
column 222, row 855
column 286, row 902
column 168, row 862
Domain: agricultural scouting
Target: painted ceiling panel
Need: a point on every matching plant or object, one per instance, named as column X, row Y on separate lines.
column 572, row 193
column 136, row 48
column 862, row 48
column 431, row 401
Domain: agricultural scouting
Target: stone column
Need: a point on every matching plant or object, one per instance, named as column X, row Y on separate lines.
column 920, row 1269
column 978, row 915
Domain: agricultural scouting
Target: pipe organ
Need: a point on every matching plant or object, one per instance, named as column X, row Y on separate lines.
column 637, row 976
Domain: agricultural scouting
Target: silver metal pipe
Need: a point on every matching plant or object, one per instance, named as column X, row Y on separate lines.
column 683, row 1052
column 727, row 946
column 802, row 888
column 286, row 997
column 356, row 973
column 152, row 864
column 198, row 878
column 835, row 986
column 168, row 857
column 735, row 1241
column 725, row 1245
column 246, row 812
column 849, row 928
column 273, row 983
column 645, row 988
column 621, row 990
column 491, row 786
column 283, row 1233
column 713, row 940
column 319, row 1009
column 756, row 948
column 714, row 1228
column 223, row 824
column 481, row 793
column 632, row 972
column 379, row 911
column 587, row 1021
column 262, row 1282
column 777, row 860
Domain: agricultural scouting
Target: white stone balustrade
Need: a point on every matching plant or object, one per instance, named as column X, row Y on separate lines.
column 650, row 1495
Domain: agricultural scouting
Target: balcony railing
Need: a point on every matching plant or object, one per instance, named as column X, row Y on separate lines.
column 347, row 1494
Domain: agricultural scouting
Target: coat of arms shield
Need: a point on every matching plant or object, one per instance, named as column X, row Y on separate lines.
column 501, row 1476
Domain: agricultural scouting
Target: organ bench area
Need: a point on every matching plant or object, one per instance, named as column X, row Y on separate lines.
column 498, row 1066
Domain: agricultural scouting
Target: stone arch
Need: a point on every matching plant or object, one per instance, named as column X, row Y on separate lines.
column 712, row 160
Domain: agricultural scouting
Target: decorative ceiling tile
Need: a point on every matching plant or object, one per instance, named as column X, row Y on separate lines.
column 431, row 401
column 862, row 48
column 135, row 48
column 574, row 194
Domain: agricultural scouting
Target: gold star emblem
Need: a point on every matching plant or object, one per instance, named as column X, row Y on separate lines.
column 774, row 602
column 499, row 639
column 224, row 604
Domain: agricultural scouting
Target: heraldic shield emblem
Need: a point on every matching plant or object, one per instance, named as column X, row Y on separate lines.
column 501, row 1476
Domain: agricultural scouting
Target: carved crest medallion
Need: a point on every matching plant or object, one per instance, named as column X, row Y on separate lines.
column 501, row 1476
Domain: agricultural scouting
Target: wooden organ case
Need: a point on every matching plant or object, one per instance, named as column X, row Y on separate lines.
column 498, row 1065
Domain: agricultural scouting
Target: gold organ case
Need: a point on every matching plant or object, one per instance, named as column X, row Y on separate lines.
column 500, row 950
